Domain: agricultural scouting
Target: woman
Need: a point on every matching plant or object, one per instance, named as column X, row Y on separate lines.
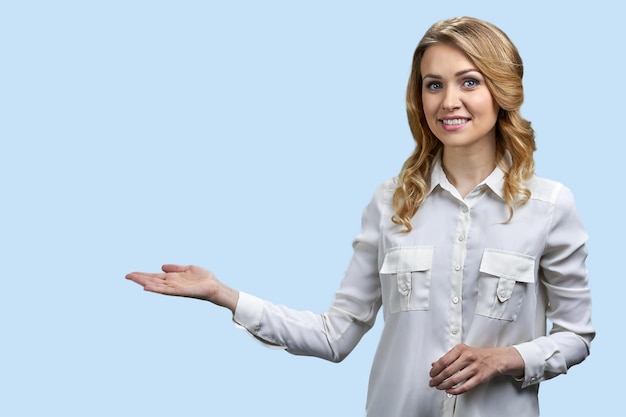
column 468, row 252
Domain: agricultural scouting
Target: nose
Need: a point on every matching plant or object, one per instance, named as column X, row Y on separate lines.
column 451, row 100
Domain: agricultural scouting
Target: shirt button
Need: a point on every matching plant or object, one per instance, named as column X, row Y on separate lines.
column 454, row 331
column 457, row 267
column 461, row 238
column 449, row 395
column 464, row 209
column 455, row 300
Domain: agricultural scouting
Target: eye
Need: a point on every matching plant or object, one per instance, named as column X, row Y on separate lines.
column 471, row 83
column 432, row 85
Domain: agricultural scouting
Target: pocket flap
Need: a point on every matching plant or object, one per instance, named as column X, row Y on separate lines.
column 407, row 259
column 510, row 265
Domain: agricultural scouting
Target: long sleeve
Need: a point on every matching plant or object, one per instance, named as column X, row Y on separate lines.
column 563, row 278
column 331, row 335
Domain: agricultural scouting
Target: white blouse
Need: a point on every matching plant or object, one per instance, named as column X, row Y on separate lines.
column 462, row 275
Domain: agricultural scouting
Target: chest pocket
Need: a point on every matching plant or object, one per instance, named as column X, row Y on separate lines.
column 405, row 278
column 502, row 284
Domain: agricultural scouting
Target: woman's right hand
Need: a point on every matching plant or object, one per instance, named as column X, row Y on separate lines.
column 187, row 281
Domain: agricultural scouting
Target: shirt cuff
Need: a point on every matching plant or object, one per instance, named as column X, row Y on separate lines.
column 534, row 363
column 248, row 312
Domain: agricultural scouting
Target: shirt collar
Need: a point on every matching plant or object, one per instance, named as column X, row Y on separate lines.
column 495, row 180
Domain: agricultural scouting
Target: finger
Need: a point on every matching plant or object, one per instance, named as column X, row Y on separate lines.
column 159, row 287
column 452, row 378
column 461, row 388
column 443, row 379
column 463, row 384
column 443, row 372
column 135, row 277
column 143, row 278
column 450, row 381
column 174, row 268
column 444, row 362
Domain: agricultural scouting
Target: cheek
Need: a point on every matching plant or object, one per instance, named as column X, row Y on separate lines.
column 495, row 109
column 489, row 107
column 430, row 109
column 432, row 123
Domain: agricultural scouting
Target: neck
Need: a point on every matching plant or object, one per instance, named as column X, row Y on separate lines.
column 466, row 170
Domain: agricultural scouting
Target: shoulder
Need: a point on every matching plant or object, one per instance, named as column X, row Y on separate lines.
column 390, row 185
column 382, row 200
column 557, row 195
column 384, row 191
column 546, row 190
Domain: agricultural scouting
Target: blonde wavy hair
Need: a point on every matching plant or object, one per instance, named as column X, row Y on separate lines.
column 497, row 58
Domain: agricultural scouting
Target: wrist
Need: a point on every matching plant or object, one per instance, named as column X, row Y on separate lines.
column 227, row 297
column 514, row 363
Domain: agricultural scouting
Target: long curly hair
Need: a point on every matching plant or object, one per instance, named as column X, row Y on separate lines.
column 497, row 58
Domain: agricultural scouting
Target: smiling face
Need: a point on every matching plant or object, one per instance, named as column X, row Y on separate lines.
column 458, row 106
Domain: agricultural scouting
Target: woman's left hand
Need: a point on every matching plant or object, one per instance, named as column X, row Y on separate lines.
column 464, row 367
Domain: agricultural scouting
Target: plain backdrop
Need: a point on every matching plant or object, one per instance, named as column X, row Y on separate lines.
column 247, row 137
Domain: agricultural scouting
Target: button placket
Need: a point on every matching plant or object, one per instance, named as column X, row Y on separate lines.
column 456, row 285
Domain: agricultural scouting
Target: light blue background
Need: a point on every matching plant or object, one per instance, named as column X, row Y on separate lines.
column 247, row 137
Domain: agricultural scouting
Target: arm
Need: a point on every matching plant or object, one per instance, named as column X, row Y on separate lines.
column 331, row 335
column 563, row 277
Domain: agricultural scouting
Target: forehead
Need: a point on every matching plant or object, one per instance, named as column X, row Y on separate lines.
column 444, row 59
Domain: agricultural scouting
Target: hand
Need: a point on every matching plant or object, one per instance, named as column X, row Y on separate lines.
column 465, row 367
column 187, row 281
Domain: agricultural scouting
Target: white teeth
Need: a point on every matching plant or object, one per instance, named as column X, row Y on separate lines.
column 454, row 121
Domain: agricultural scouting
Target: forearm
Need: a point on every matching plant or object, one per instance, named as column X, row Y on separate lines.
column 331, row 335
column 549, row 356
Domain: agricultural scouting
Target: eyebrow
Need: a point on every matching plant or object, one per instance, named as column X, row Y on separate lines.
column 457, row 74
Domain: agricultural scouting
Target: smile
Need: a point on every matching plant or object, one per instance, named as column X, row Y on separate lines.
column 454, row 122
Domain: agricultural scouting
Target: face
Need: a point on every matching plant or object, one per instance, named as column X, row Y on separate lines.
column 458, row 106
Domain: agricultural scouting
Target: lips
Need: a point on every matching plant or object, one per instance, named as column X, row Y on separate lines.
column 454, row 122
